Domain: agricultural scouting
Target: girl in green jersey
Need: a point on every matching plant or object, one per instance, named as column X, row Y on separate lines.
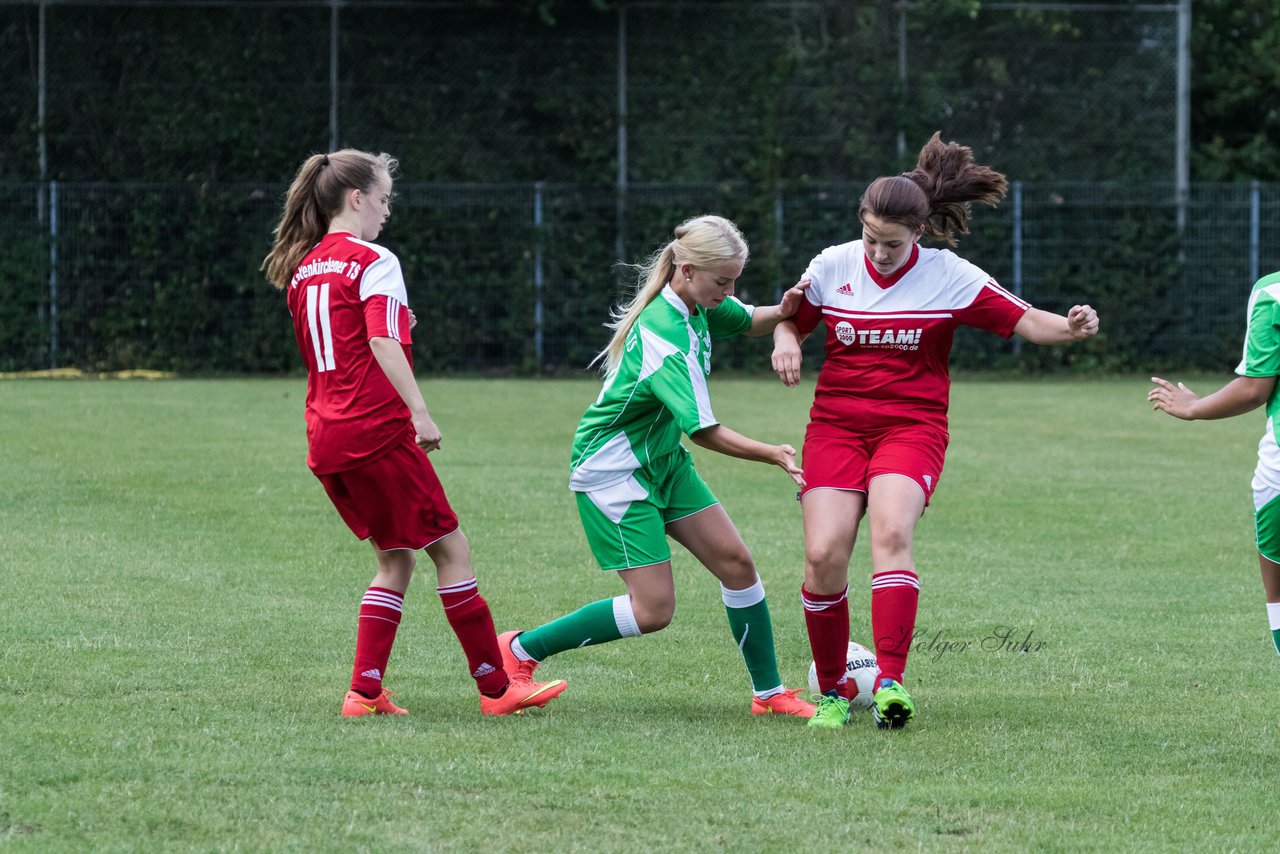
column 1254, row 387
column 634, row 481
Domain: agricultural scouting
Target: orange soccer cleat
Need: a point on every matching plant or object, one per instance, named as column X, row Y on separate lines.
column 355, row 705
column 785, row 703
column 515, row 668
column 520, row 695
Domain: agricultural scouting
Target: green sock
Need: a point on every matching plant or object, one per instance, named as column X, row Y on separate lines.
column 753, row 631
column 599, row 622
column 1275, row 638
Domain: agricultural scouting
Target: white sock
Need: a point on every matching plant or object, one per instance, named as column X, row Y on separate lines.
column 1273, row 615
column 624, row 617
column 518, row 651
column 772, row 692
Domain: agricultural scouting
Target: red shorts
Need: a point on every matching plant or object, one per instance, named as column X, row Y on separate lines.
column 837, row 459
column 396, row 500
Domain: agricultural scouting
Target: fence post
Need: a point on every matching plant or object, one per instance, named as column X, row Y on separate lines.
column 333, row 74
column 537, row 274
column 53, row 274
column 777, row 236
column 620, row 246
column 1017, row 254
column 1255, row 229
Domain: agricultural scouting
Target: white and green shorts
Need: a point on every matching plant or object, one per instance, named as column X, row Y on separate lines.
column 626, row 522
column 1266, row 496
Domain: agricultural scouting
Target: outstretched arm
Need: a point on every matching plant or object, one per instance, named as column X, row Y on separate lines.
column 1045, row 327
column 765, row 318
column 390, row 357
column 1237, row 397
column 722, row 440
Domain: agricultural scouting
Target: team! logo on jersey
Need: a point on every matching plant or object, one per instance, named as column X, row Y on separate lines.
column 889, row 339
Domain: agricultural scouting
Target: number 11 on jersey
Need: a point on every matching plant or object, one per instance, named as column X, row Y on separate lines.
column 318, row 321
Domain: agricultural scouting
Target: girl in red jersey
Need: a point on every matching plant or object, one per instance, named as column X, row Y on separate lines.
column 877, row 435
column 368, row 428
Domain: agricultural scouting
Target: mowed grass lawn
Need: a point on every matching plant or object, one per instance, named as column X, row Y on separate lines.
column 178, row 617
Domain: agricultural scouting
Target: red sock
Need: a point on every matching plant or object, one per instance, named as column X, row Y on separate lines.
column 469, row 616
column 893, row 620
column 375, row 633
column 827, row 619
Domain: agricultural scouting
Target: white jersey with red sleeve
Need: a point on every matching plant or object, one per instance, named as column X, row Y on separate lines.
column 888, row 338
column 345, row 292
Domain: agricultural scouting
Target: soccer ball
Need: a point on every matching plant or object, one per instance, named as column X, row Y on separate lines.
column 860, row 666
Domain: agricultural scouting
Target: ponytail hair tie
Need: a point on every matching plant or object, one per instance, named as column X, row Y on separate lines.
column 325, row 161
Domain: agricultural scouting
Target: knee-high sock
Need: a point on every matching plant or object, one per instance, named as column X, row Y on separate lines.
column 894, row 596
column 469, row 617
column 380, row 611
column 599, row 622
column 826, row 616
column 753, row 630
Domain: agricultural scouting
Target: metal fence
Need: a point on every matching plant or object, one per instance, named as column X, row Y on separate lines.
column 520, row 277
column 147, row 144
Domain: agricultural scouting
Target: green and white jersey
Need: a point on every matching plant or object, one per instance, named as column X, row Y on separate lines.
column 1261, row 358
column 657, row 392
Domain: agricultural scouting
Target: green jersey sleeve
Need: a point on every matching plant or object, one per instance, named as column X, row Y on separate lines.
column 1261, row 356
column 729, row 319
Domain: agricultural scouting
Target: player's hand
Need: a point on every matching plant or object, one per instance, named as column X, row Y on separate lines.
column 426, row 433
column 785, row 458
column 1082, row 321
column 413, row 319
column 786, row 363
column 790, row 302
column 1176, row 400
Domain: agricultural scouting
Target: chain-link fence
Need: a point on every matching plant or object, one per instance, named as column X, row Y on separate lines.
column 520, row 277
column 147, row 145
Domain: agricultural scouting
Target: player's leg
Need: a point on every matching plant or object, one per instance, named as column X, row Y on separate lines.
column 894, row 505
column 379, row 620
column 712, row 538
column 383, row 602
column 625, row 533
column 1267, row 524
column 1271, row 585
column 831, row 518
column 903, row 471
column 472, row 622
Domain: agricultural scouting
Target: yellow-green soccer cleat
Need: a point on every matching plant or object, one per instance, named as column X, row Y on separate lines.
column 891, row 705
column 832, row 712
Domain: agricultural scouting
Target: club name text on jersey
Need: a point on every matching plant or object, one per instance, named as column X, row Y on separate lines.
column 321, row 266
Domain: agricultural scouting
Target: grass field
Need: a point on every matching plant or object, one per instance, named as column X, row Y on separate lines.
column 178, row 617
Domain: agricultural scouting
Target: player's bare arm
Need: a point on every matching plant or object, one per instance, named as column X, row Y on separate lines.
column 722, row 440
column 390, row 357
column 766, row 318
column 1045, row 327
column 786, row 353
column 1241, row 395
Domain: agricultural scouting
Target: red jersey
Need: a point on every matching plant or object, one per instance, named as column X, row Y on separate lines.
column 889, row 338
column 345, row 292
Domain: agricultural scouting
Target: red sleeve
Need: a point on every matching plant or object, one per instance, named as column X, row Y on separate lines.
column 807, row 317
column 387, row 317
column 994, row 310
